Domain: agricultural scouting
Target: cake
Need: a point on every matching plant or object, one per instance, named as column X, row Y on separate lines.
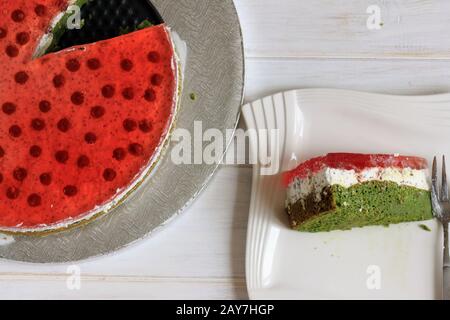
column 80, row 129
column 341, row 191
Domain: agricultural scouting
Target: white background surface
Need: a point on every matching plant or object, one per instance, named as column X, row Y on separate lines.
column 289, row 44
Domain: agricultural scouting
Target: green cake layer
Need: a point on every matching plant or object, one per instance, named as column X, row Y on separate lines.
column 364, row 204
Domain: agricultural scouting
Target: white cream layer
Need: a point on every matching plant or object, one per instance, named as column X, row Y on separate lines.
column 301, row 188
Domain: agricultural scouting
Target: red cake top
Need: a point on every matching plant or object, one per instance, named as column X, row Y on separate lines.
column 353, row 161
column 79, row 126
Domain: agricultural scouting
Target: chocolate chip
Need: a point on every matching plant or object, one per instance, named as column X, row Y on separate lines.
column 145, row 126
column 20, row 174
column 109, row 174
column 12, row 193
column 22, row 38
column 45, row 106
column 128, row 93
column 59, row 81
column 15, row 131
column 45, row 178
column 156, row 79
column 108, row 91
column 77, row 98
column 3, row 33
column 18, row 16
column 93, row 64
column 126, row 64
column 73, row 65
column 34, row 200
column 90, row 138
column 62, row 156
column 38, row 124
column 63, row 125
column 119, row 154
column 153, row 56
column 83, row 161
column 150, row 95
column 12, row 51
column 136, row 149
column 35, row 151
column 40, row 10
column 97, row 112
column 70, row 191
column 9, row 108
column 129, row 125
column 21, row 77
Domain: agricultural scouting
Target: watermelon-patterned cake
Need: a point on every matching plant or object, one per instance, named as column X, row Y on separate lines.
column 80, row 128
column 341, row 191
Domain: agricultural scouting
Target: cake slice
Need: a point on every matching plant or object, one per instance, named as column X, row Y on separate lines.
column 341, row 191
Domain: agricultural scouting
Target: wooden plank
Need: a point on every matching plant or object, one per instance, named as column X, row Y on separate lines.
column 338, row 29
column 410, row 77
column 54, row 287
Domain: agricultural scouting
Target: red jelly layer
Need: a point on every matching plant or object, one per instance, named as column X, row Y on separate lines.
column 354, row 161
column 77, row 127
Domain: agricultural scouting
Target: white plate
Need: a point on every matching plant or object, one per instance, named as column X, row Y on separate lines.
column 400, row 262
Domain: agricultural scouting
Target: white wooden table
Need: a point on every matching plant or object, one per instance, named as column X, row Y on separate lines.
column 289, row 44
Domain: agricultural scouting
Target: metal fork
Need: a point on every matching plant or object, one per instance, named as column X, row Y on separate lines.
column 441, row 210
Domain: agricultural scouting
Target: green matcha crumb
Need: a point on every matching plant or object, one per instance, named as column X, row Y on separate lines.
column 193, row 96
column 381, row 24
column 144, row 24
column 424, row 227
column 123, row 31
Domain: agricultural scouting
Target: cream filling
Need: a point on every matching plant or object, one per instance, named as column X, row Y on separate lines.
column 300, row 188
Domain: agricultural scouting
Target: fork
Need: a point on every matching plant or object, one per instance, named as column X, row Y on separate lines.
column 441, row 210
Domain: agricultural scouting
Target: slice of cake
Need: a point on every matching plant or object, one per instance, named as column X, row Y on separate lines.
column 80, row 129
column 341, row 191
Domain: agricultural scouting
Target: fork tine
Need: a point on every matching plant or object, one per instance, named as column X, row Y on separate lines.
column 434, row 191
column 434, row 185
column 444, row 185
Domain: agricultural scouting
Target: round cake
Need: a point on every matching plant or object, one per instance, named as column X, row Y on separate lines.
column 81, row 128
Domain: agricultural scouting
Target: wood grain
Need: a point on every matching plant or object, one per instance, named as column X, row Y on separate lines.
column 290, row 44
column 338, row 29
column 267, row 76
column 54, row 287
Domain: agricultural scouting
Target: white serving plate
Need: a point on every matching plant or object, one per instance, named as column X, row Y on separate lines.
column 400, row 262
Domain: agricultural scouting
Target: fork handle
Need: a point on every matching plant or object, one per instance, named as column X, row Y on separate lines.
column 446, row 274
column 446, row 288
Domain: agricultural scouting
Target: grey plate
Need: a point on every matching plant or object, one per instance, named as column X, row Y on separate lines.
column 215, row 73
